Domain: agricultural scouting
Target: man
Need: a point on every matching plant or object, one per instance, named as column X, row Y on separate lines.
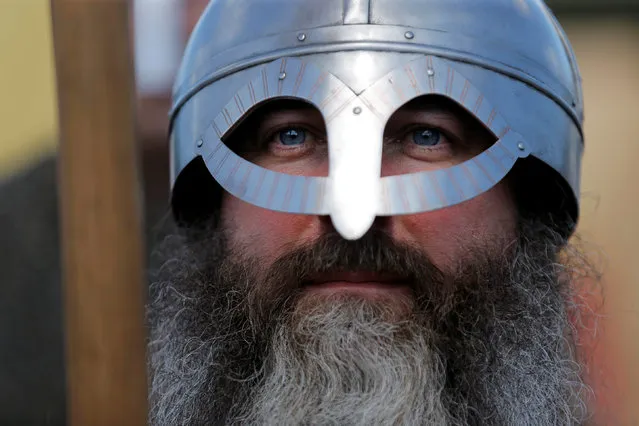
column 374, row 201
column 32, row 377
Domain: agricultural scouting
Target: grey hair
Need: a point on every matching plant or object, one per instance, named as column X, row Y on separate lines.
column 494, row 341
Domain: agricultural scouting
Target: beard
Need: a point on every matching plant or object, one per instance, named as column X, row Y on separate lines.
column 489, row 341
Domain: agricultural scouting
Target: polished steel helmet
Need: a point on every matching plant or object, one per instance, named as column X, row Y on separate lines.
column 506, row 62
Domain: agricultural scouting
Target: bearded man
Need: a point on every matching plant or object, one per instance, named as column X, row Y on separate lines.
column 372, row 199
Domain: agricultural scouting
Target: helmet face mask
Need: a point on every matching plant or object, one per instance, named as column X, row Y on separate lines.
column 357, row 88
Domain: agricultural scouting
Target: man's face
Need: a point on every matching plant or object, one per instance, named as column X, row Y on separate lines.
column 450, row 317
column 427, row 134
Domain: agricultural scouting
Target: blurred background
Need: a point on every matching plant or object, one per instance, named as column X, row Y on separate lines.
column 604, row 33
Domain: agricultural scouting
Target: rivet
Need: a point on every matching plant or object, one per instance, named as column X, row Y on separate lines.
column 521, row 146
column 301, row 36
column 409, row 35
column 431, row 72
column 200, row 143
column 282, row 76
column 357, row 110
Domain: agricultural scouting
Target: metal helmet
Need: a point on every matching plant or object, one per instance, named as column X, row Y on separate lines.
column 507, row 62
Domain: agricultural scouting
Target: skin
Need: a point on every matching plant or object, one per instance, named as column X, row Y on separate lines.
column 443, row 234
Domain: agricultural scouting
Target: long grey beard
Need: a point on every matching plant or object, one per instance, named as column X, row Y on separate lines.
column 343, row 363
column 488, row 344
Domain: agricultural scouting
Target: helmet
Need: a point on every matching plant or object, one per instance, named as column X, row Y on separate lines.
column 506, row 62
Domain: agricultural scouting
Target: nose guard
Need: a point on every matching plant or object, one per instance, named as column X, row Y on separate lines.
column 354, row 193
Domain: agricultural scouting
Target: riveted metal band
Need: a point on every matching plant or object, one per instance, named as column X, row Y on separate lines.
column 372, row 38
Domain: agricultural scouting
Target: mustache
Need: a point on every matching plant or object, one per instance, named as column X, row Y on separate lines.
column 376, row 252
column 281, row 284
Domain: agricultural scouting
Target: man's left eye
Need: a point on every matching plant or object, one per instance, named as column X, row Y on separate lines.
column 427, row 136
column 292, row 136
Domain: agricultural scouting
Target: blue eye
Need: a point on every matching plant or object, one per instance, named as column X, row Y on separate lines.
column 427, row 137
column 292, row 136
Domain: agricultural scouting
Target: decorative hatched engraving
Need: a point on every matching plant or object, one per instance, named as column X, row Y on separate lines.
column 286, row 204
column 480, row 163
column 252, row 93
column 430, row 190
column 470, row 177
column 321, row 194
column 387, row 96
column 386, row 198
column 341, row 106
column 451, row 178
column 478, row 103
column 256, row 194
column 417, row 182
column 410, row 73
column 229, row 179
column 403, row 192
column 257, row 86
column 261, row 197
column 490, row 153
column 298, row 80
column 507, row 152
column 332, row 96
column 216, row 129
column 398, row 92
column 227, row 117
column 243, row 188
column 239, row 104
column 464, row 93
column 221, row 162
column 486, row 113
column 220, row 124
column 265, row 83
column 318, row 83
column 274, row 188
column 432, row 176
column 215, row 150
column 503, row 132
column 491, row 118
column 450, row 81
column 371, row 106
column 305, row 190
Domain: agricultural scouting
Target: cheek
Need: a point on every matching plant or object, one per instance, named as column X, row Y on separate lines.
column 265, row 233
column 447, row 234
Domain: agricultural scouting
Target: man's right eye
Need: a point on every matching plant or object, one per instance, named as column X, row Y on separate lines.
column 292, row 136
column 291, row 141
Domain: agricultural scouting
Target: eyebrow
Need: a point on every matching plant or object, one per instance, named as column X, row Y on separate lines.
column 440, row 110
column 270, row 111
column 433, row 114
column 245, row 137
column 436, row 112
column 306, row 112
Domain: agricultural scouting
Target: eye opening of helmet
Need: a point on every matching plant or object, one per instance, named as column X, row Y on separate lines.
column 245, row 138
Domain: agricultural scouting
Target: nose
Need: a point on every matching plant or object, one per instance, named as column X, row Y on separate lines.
column 382, row 223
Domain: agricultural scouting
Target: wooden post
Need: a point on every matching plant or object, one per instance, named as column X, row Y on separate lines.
column 101, row 214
